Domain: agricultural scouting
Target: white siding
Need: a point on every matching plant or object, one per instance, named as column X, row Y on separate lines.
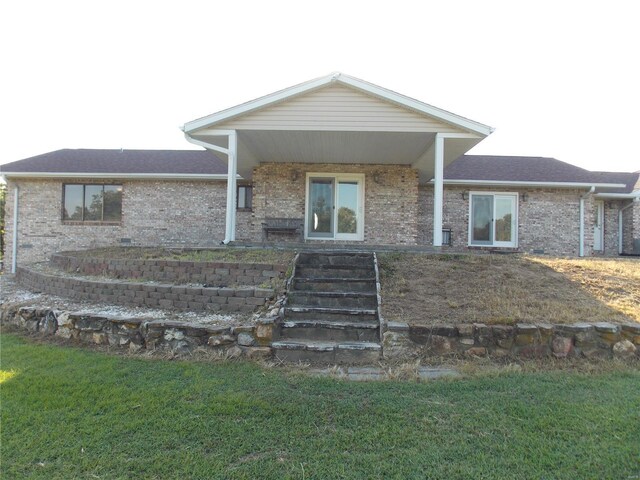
column 337, row 107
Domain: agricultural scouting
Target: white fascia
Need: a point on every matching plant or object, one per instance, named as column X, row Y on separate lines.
column 416, row 105
column 508, row 183
column 256, row 104
column 618, row 196
column 124, row 176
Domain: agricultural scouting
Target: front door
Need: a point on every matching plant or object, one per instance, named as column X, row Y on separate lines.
column 598, row 230
column 335, row 207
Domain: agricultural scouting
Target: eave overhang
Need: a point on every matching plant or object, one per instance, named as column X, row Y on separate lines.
column 123, row 176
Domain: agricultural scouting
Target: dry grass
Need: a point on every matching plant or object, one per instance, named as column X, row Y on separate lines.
column 222, row 254
column 432, row 289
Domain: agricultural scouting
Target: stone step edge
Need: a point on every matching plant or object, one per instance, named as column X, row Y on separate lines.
column 346, row 310
column 335, row 267
column 336, row 294
column 329, row 324
column 334, row 279
column 316, row 346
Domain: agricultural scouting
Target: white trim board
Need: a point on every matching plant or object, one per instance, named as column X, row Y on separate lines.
column 140, row 176
column 509, row 183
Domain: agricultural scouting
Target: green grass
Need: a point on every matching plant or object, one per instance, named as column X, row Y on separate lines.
column 71, row 413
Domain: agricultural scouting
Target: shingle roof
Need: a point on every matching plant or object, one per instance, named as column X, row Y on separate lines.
column 515, row 169
column 630, row 179
column 198, row 162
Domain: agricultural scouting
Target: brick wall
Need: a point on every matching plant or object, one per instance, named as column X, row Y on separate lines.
column 548, row 220
column 391, row 202
column 168, row 213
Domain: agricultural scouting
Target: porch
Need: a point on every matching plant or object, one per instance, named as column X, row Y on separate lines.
column 345, row 156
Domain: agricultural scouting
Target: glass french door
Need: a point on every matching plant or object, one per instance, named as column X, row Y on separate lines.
column 493, row 220
column 334, row 207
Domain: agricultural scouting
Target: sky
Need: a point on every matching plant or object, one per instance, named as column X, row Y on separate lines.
column 554, row 78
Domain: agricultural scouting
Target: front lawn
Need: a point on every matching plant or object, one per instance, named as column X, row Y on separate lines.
column 72, row 413
column 426, row 289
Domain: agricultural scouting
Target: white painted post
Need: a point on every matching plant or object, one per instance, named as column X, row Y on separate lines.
column 438, row 190
column 14, row 246
column 233, row 159
column 232, row 171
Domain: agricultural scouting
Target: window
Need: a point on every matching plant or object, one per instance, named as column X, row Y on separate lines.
column 92, row 203
column 245, row 196
column 493, row 219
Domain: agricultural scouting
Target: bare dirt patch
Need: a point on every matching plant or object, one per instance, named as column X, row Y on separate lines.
column 433, row 289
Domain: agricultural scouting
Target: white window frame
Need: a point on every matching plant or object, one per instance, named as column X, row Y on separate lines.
column 515, row 221
column 359, row 177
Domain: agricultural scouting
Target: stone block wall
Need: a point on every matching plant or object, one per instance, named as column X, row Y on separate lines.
column 391, row 199
column 140, row 334
column 547, row 221
column 215, row 274
column 166, row 213
column 600, row 340
column 165, row 296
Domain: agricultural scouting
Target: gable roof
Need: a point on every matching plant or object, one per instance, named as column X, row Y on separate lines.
column 529, row 170
column 337, row 78
column 110, row 163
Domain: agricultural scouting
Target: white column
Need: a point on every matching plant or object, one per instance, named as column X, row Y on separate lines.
column 14, row 246
column 438, row 190
column 232, row 172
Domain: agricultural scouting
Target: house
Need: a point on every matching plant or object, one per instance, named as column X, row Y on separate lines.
column 352, row 162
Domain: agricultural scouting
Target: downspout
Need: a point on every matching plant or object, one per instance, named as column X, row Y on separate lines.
column 637, row 199
column 14, row 246
column 582, row 199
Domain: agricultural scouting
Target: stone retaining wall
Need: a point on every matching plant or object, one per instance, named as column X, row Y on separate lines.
column 165, row 296
column 598, row 340
column 138, row 334
column 218, row 274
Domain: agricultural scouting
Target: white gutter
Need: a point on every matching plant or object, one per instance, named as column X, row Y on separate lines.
column 582, row 199
column 618, row 196
column 532, row 184
column 14, row 246
column 125, row 176
column 635, row 200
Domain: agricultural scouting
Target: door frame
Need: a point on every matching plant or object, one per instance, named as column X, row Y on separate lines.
column 337, row 177
column 514, row 221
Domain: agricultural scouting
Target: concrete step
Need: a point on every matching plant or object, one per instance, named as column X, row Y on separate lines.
column 319, row 352
column 331, row 314
column 337, row 259
column 334, row 271
column 326, row 330
column 334, row 284
column 333, row 299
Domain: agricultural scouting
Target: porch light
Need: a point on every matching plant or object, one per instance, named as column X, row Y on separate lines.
column 524, row 196
column 295, row 174
column 465, row 195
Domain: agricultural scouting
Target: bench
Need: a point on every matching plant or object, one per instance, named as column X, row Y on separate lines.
column 282, row 225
